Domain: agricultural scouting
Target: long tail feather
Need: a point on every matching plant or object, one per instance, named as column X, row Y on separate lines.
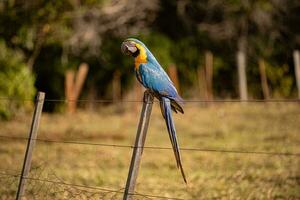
column 167, row 114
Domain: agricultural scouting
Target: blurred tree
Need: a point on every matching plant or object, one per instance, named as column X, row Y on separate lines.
column 56, row 35
column 92, row 22
column 16, row 82
column 161, row 46
column 255, row 27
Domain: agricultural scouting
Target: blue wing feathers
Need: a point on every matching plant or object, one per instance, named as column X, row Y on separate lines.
column 156, row 79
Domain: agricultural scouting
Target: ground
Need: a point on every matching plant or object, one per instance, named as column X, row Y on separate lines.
column 58, row 168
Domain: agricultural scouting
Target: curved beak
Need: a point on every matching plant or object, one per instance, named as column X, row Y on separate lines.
column 128, row 48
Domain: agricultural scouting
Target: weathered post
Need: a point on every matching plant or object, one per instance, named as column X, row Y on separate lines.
column 139, row 145
column 296, row 56
column 30, row 144
column 263, row 79
column 241, row 63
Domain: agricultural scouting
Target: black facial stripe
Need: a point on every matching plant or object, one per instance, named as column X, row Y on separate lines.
column 135, row 54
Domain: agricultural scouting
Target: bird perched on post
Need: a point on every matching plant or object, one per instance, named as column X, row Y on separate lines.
column 152, row 76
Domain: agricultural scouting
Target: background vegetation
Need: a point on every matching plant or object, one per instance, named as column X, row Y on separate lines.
column 53, row 36
column 42, row 40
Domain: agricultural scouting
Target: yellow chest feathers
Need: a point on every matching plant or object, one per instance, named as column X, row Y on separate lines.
column 141, row 58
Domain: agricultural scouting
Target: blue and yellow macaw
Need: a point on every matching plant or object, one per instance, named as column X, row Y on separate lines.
column 152, row 76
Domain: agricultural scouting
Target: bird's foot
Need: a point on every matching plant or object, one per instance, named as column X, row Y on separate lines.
column 148, row 96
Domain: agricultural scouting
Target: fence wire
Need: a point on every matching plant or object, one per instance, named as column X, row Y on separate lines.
column 71, row 190
column 140, row 101
column 155, row 147
column 51, row 186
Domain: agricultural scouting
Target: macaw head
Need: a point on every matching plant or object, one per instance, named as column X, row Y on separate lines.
column 138, row 50
column 133, row 47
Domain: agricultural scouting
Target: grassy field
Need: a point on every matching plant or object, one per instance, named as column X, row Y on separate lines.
column 272, row 127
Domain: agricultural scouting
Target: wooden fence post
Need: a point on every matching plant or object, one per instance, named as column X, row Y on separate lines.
column 80, row 78
column 138, row 146
column 296, row 56
column 263, row 79
column 31, row 142
column 241, row 64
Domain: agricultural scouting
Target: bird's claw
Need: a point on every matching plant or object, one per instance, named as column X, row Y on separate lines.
column 148, row 96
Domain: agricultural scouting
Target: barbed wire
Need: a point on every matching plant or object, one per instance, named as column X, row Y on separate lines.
column 89, row 187
column 155, row 147
column 140, row 101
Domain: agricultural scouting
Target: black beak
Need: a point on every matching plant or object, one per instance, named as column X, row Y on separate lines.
column 129, row 48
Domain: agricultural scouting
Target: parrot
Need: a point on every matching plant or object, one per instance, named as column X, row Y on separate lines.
column 153, row 77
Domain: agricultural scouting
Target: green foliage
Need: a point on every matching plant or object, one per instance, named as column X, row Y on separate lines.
column 186, row 53
column 57, row 35
column 111, row 56
column 280, row 81
column 187, row 57
column 161, row 47
column 112, row 60
column 16, row 82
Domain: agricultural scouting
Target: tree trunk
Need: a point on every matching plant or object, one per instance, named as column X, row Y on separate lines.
column 69, row 91
column 41, row 36
column 74, row 87
column 296, row 56
column 263, row 79
column 80, row 78
column 241, row 64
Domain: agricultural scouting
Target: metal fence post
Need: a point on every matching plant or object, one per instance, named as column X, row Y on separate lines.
column 139, row 145
column 30, row 144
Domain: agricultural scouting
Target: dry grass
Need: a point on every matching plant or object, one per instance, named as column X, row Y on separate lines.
column 211, row 175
